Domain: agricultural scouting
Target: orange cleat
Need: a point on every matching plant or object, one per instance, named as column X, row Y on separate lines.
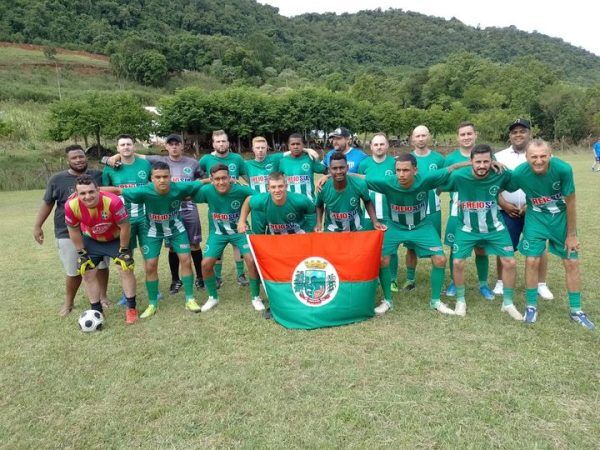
column 131, row 316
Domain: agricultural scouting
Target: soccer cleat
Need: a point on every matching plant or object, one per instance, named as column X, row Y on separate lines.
column 544, row 292
column 530, row 315
column 242, row 280
column 123, row 300
column 486, row 292
column 512, row 311
column 409, row 285
column 443, row 308
column 451, row 290
column 383, row 307
column 150, row 311
column 199, row 283
column 175, row 287
column 581, row 318
column 257, row 304
column 394, row 286
column 499, row 288
column 460, row 309
column 219, row 282
column 210, row 303
column 192, row 306
column 131, row 316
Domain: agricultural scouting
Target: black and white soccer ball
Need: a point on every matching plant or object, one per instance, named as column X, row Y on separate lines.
column 91, row 320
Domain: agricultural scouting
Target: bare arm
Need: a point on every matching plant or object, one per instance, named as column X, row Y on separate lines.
column 245, row 211
column 373, row 215
column 42, row 215
column 76, row 237
column 319, row 221
column 509, row 208
column 125, row 234
column 571, row 242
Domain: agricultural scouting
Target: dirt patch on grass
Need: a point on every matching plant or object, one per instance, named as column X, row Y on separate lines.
column 58, row 49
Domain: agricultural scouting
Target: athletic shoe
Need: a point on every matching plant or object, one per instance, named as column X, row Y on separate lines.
column 443, row 308
column 219, row 282
column 530, row 315
column 131, row 315
column 451, row 290
column 409, row 285
column 512, row 311
column 460, row 309
column 257, row 304
column 394, row 286
column 242, row 280
column 383, row 307
column 150, row 311
column 499, row 288
column 199, row 283
column 175, row 287
column 123, row 300
column 581, row 318
column 210, row 303
column 544, row 292
column 192, row 306
column 486, row 293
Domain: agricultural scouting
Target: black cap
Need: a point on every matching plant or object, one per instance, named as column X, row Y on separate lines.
column 520, row 122
column 341, row 132
column 174, row 137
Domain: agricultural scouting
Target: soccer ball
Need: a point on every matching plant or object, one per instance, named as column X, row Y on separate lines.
column 91, row 320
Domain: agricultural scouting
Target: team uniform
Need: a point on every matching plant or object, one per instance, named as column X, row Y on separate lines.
column 299, row 172
column 235, row 163
column 426, row 163
column 258, row 177
column 386, row 168
column 131, row 175
column 343, row 210
column 293, row 217
column 455, row 157
column 354, row 156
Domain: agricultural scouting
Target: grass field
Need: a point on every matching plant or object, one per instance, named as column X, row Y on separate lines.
column 231, row 378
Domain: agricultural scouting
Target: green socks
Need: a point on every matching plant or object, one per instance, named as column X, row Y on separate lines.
column 152, row 288
column 507, row 296
column 531, row 297
column 437, row 279
column 460, row 293
column 239, row 268
column 410, row 273
column 218, row 269
column 394, row 266
column 211, row 287
column 385, row 279
column 482, row 263
column 574, row 301
column 254, row 288
column 188, row 286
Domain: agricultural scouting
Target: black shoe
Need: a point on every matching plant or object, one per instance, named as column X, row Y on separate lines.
column 199, row 283
column 242, row 280
column 219, row 282
column 175, row 287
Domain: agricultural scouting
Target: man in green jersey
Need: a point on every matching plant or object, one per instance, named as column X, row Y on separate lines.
column 407, row 208
column 467, row 136
column 340, row 199
column 225, row 199
column 550, row 218
column 480, row 224
column 284, row 212
column 162, row 200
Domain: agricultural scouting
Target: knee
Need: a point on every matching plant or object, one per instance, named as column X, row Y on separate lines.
column 459, row 264
column 508, row 263
column 385, row 261
column 532, row 262
column 438, row 260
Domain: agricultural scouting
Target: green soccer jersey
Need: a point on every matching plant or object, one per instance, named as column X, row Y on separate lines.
column 432, row 161
column 126, row 176
column 407, row 207
column 386, row 168
column 299, row 173
column 455, row 157
column 289, row 218
column 162, row 210
column 343, row 210
column 258, row 172
column 545, row 193
column 478, row 210
column 223, row 209
column 235, row 163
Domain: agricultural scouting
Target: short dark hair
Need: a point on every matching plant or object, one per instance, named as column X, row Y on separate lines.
column 276, row 176
column 404, row 156
column 86, row 179
column 218, row 167
column 73, row 147
column 480, row 149
column 296, row 136
column 466, row 124
column 159, row 165
column 125, row 136
column 338, row 156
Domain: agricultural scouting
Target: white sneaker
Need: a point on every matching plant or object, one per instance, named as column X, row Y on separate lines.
column 210, row 303
column 441, row 307
column 499, row 288
column 383, row 307
column 257, row 304
column 460, row 309
column 512, row 312
column 544, row 292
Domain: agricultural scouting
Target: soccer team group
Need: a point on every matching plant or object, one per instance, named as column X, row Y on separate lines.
column 519, row 198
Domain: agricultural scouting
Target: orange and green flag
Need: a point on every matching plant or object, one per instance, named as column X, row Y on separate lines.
column 319, row 280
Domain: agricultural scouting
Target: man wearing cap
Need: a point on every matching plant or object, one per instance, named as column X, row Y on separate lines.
column 342, row 140
column 513, row 204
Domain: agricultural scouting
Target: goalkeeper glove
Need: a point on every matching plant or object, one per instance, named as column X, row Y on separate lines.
column 84, row 262
column 125, row 259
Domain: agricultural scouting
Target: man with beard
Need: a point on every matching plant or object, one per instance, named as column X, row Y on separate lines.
column 342, row 143
column 60, row 186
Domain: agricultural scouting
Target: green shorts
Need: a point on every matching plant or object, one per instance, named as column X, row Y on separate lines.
column 449, row 235
column 495, row 243
column 423, row 240
column 216, row 243
column 436, row 220
column 152, row 245
column 541, row 228
column 139, row 230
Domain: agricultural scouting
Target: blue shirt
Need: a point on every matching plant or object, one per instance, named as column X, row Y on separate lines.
column 354, row 157
column 596, row 148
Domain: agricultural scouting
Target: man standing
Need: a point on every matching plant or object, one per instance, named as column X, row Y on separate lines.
column 596, row 150
column 550, row 218
column 60, row 186
column 342, row 143
column 513, row 204
column 479, row 224
column 99, row 227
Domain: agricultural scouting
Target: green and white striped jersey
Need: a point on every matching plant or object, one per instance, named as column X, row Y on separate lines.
column 299, row 173
column 386, row 168
column 343, row 209
column 223, row 209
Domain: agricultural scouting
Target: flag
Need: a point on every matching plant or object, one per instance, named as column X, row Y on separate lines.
column 319, row 280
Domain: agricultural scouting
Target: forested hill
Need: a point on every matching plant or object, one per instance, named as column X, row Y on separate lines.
column 192, row 34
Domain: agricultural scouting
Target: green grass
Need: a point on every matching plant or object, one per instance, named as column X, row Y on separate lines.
column 230, row 378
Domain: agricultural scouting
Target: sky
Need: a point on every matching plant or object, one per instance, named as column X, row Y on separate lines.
column 576, row 21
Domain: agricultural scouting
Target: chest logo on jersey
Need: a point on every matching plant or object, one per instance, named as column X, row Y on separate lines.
column 235, row 204
column 306, row 167
column 104, row 215
column 269, row 167
column 187, row 171
column 101, row 228
column 315, row 282
column 556, row 185
column 175, row 204
column 142, row 174
column 291, row 216
column 353, row 201
column 433, row 166
column 421, row 195
column 232, row 169
column 389, row 173
column 494, row 190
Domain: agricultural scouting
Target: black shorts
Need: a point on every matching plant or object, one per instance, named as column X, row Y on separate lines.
column 99, row 250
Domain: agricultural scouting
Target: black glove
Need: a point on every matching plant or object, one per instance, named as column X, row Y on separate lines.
column 84, row 262
column 125, row 259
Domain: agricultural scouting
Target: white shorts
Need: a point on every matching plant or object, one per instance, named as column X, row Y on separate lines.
column 68, row 257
